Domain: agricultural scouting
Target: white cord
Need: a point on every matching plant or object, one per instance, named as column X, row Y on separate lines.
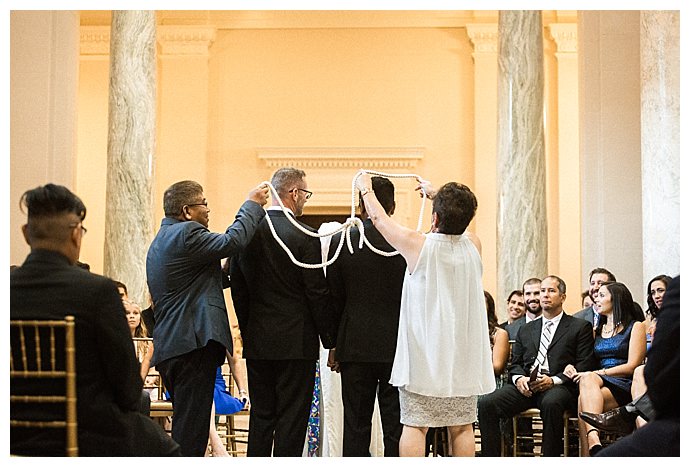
column 352, row 221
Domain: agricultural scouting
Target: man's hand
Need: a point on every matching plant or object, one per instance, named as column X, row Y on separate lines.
column 541, row 384
column 332, row 363
column 522, row 384
column 259, row 194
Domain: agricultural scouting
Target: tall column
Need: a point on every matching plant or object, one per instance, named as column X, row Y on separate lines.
column 484, row 39
column 521, row 218
column 564, row 260
column 660, row 134
column 131, row 141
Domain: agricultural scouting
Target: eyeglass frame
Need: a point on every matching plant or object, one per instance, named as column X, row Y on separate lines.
column 204, row 204
column 78, row 224
column 308, row 193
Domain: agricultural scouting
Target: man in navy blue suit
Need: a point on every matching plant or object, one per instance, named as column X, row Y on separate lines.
column 184, row 275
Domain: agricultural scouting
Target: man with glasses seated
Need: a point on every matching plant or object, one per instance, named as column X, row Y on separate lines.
column 49, row 285
column 185, row 279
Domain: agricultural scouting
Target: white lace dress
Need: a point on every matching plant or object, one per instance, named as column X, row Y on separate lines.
column 443, row 357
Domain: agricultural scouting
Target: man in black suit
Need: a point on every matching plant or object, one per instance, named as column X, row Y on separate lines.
column 281, row 309
column 596, row 277
column 184, row 275
column 49, row 285
column 571, row 342
column 661, row 436
column 366, row 289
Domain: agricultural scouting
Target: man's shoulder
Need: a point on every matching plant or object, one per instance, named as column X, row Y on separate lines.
column 583, row 312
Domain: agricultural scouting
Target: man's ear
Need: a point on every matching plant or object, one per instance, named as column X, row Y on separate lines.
column 25, row 232
column 185, row 213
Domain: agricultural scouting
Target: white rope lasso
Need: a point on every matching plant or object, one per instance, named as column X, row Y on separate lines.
column 352, row 221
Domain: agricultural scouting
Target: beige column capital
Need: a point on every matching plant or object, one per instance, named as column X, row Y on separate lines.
column 565, row 37
column 185, row 40
column 484, row 37
column 94, row 40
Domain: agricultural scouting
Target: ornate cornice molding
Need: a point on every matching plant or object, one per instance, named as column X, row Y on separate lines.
column 341, row 158
column 94, row 40
column 565, row 36
column 484, row 37
column 185, row 40
column 173, row 40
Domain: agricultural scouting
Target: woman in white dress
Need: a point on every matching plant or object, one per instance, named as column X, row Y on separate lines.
column 443, row 357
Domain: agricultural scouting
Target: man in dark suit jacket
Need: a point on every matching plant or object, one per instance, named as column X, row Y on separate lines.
column 596, row 277
column 530, row 291
column 49, row 285
column 661, row 436
column 281, row 309
column 552, row 392
column 192, row 332
column 366, row 289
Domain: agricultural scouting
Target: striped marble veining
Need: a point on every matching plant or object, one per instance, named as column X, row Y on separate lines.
column 131, row 147
column 660, row 141
column 521, row 224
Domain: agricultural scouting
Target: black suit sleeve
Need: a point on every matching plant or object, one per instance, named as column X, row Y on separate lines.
column 240, row 293
column 517, row 363
column 585, row 358
column 336, row 285
column 318, row 294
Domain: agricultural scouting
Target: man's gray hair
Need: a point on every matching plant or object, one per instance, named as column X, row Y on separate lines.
column 287, row 178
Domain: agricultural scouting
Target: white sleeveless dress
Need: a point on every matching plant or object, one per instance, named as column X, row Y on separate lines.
column 443, row 356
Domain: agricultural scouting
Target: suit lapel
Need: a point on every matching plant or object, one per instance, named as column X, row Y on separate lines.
column 561, row 330
column 536, row 333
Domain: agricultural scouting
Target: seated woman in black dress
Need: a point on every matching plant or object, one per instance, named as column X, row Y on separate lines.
column 620, row 346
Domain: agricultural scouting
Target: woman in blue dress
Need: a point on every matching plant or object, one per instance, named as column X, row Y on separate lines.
column 620, row 346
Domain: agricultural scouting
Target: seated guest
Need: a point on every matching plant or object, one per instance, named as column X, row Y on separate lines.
column 596, row 277
column 109, row 385
column 542, row 350
column 656, row 288
column 137, row 328
column 530, row 292
column 619, row 347
column 516, row 308
column 586, row 300
column 661, row 436
column 498, row 339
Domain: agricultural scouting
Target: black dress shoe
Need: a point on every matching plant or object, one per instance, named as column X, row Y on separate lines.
column 618, row 420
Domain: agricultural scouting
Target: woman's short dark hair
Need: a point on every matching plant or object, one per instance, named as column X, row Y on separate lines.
column 455, row 205
column 652, row 308
column 178, row 195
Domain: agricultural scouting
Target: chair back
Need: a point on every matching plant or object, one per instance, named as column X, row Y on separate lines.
column 42, row 351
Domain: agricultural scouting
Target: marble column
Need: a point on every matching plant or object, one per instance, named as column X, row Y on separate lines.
column 521, row 177
column 131, row 141
column 660, row 134
column 484, row 40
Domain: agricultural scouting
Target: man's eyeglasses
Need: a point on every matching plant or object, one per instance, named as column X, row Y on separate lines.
column 83, row 229
column 307, row 195
column 204, row 204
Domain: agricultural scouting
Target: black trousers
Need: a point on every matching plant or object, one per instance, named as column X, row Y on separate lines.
column 189, row 378
column 508, row 401
column 361, row 381
column 281, row 392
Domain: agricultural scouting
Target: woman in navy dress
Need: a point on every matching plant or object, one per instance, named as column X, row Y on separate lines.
column 620, row 346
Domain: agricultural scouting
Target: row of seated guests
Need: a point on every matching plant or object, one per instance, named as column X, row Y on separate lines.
column 603, row 382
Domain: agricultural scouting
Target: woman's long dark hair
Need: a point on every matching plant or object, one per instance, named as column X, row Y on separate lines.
column 652, row 308
column 491, row 312
column 624, row 311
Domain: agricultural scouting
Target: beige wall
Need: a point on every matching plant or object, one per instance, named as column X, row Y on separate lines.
column 43, row 108
column 368, row 83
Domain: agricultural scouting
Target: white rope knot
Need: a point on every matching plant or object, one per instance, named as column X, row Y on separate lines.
column 350, row 223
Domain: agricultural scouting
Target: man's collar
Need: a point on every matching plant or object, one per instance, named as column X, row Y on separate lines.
column 278, row 208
